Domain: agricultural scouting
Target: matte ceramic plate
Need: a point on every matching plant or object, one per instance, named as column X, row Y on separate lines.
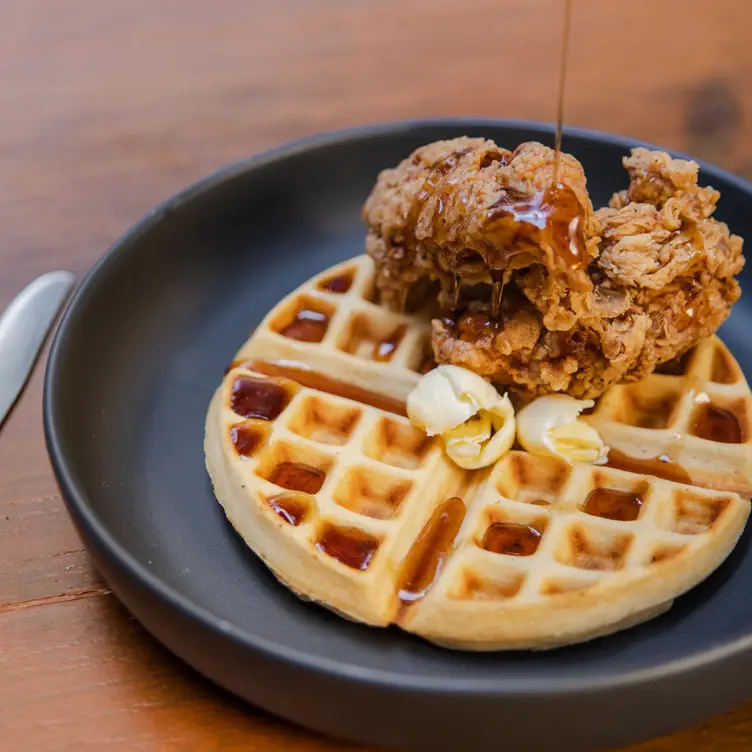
column 140, row 350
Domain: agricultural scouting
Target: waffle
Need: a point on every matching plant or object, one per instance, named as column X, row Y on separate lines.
column 694, row 414
column 319, row 470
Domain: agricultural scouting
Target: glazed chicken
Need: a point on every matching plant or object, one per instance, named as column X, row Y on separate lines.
column 532, row 288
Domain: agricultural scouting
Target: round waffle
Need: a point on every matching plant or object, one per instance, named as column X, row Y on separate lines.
column 319, row 470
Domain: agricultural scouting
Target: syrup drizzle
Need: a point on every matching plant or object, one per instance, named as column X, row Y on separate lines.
column 427, row 554
column 247, row 439
column 552, row 218
column 258, row 398
column 500, row 280
column 562, row 81
column 659, row 467
column 306, row 376
column 338, row 284
column 307, row 326
column 295, row 476
column 549, row 222
column 717, row 424
column 471, row 326
column 351, row 546
column 623, row 506
column 292, row 508
column 383, row 350
column 511, row 538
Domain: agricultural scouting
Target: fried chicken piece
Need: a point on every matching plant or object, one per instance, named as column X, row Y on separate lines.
column 443, row 216
column 660, row 275
column 654, row 178
column 666, row 251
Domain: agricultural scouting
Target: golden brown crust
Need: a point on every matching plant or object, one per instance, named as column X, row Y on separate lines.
column 661, row 274
column 432, row 216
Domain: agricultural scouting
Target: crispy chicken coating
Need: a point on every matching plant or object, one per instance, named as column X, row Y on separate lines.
column 651, row 275
column 440, row 216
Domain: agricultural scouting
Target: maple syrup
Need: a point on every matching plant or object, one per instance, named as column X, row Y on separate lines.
column 472, row 326
column 659, row 467
column 717, row 424
column 562, row 82
column 553, row 217
column 296, row 476
column 307, row 326
column 292, row 508
column 499, row 279
column 247, row 439
column 258, row 398
column 351, row 546
column 455, row 290
column 383, row 351
column 426, row 556
column 623, row 506
column 339, row 284
column 511, row 538
column 551, row 220
column 307, row 377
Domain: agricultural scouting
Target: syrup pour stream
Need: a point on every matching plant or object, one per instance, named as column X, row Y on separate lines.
column 562, row 81
column 549, row 222
column 555, row 216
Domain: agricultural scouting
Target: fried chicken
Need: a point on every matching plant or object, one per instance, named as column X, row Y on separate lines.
column 538, row 291
column 440, row 216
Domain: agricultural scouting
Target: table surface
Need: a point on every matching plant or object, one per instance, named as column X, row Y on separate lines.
column 110, row 107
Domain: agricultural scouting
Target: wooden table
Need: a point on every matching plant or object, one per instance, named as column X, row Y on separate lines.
column 107, row 108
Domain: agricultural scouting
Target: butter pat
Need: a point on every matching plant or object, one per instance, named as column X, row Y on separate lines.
column 475, row 422
column 550, row 426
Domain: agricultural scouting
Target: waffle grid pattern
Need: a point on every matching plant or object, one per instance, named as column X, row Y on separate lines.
column 528, row 542
column 382, row 476
column 356, row 329
column 664, row 416
column 576, row 549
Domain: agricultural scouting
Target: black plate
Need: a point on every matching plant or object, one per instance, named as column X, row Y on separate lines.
column 136, row 358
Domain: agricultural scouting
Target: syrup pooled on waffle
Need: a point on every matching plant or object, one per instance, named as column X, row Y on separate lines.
column 319, row 470
column 692, row 414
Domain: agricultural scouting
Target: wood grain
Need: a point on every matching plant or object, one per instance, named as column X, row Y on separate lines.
column 109, row 686
column 83, row 675
column 108, row 108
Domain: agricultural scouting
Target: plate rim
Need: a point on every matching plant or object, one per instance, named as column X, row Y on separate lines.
column 79, row 506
